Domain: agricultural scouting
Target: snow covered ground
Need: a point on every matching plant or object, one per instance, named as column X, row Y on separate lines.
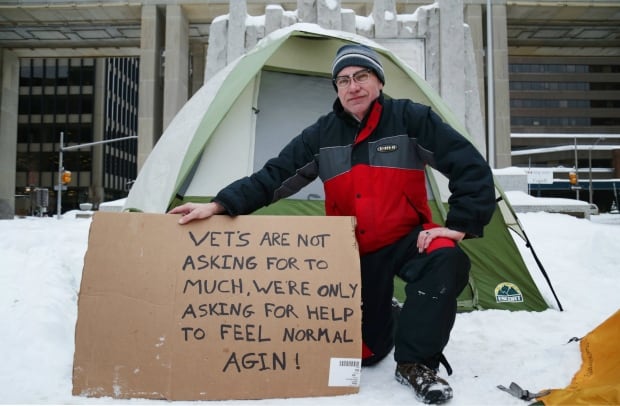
column 41, row 262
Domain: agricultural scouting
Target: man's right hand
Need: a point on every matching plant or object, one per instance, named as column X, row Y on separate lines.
column 196, row 211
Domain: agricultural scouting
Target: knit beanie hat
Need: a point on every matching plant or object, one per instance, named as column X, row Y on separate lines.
column 357, row 55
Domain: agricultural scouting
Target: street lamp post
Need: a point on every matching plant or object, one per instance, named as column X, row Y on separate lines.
column 60, row 171
column 61, row 168
column 576, row 187
column 590, row 189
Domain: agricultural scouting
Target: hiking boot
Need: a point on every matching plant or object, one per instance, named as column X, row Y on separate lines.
column 428, row 387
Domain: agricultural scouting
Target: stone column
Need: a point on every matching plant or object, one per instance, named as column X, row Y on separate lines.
column 474, row 19
column 348, row 20
column 428, row 27
column 328, row 14
column 306, row 10
column 452, row 45
column 216, row 51
column 253, row 34
column 273, row 20
column 176, row 70
column 236, row 29
column 473, row 109
column 474, row 78
column 384, row 15
column 9, row 97
column 151, row 76
column 502, row 90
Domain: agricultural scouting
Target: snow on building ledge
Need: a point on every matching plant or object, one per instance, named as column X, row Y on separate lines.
column 513, row 181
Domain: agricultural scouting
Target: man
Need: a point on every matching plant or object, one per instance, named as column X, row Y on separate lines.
column 370, row 153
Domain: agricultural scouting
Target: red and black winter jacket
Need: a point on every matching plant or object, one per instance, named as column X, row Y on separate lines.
column 374, row 170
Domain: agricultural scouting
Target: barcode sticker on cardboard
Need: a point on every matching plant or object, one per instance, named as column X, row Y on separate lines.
column 345, row 372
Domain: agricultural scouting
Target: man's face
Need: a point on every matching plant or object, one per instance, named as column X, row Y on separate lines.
column 358, row 95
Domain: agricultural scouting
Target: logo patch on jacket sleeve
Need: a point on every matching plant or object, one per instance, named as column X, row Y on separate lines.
column 507, row 292
column 387, row 148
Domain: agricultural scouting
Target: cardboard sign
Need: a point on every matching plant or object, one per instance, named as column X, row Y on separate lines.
column 226, row 308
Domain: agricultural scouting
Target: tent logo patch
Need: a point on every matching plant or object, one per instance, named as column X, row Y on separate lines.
column 507, row 292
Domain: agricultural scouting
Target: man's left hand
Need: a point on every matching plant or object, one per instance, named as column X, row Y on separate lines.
column 427, row 236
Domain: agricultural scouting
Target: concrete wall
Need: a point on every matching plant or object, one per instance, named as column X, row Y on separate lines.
column 176, row 71
column 170, row 71
column 450, row 58
column 501, row 97
column 9, row 96
column 150, row 109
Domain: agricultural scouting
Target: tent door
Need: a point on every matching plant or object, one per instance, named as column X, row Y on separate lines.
column 288, row 103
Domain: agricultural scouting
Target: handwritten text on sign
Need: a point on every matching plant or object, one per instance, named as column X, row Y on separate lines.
column 264, row 288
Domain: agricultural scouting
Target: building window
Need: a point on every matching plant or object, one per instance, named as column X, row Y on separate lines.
column 57, row 95
column 121, row 120
column 564, row 94
column 561, row 109
column 51, row 103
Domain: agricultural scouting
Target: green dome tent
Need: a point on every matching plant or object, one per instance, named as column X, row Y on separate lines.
column 251, row 108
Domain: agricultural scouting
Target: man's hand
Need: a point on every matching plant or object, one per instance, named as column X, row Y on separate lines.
column 196, row 211
column 427, row 236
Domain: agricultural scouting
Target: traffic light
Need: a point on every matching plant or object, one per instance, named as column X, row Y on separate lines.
column 66, row 177
column 572, row 178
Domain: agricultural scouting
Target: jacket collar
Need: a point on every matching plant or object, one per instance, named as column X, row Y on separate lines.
column 342, row 114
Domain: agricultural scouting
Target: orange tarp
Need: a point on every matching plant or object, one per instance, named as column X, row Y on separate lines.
column 598, row 380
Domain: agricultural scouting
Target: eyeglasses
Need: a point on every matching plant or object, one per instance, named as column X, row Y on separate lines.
column 360, row 76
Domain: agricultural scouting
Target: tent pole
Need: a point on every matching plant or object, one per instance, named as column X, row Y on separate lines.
column 542, row 270
column 528, row 244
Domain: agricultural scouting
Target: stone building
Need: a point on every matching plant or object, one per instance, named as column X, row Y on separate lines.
column 100, row 70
